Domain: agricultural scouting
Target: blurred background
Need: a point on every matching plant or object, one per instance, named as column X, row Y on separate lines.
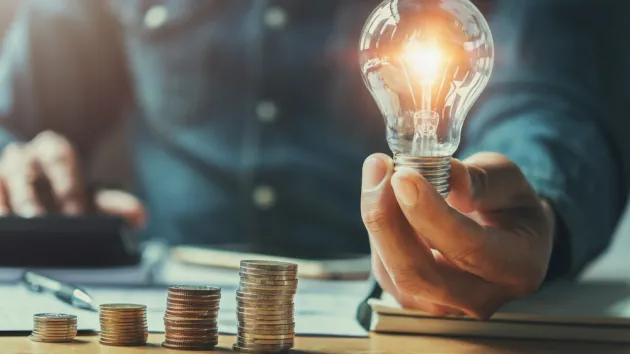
column 110, row 161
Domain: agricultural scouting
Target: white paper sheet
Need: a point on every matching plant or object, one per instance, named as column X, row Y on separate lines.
column 322, row 307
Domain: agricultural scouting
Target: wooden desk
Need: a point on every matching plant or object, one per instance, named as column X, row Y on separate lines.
column 377, row 344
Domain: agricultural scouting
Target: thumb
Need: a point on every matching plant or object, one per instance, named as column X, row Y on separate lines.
column 114, row 202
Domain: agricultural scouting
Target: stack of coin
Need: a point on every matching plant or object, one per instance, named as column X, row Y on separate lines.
column 190, row 321
column 265, row 307
column 54, row 327
column 123, row 324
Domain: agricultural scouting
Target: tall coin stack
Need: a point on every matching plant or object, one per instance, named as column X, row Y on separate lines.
column 190, row 320
column 123, row 324
column 54, row 327
column 265, row 307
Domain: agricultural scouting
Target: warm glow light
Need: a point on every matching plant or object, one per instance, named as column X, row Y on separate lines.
column 424, row 59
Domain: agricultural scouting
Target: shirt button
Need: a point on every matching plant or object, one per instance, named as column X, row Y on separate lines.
column 266, row 111
column 264, row 197
column 275, row 17
column 155, row 17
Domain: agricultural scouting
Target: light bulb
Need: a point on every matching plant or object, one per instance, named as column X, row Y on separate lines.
column 426, row 62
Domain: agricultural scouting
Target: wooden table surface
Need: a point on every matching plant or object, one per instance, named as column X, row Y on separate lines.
column 376, row 344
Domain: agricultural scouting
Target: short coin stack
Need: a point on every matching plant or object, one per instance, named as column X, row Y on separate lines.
column 54, row 327
column 190, row 320
column 265, row 307
column 123, row 324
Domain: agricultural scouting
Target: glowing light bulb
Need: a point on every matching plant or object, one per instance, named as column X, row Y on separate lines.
column 425, row 63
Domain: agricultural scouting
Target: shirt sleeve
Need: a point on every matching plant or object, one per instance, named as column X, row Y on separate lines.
column 546, row 108
column 61, row 69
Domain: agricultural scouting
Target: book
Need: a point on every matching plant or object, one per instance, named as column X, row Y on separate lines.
column 333, row 266
column 589, row 311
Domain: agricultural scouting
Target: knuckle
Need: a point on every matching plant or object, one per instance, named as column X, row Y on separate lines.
column 375, row 219
column 47, row 136
column 469, row 257
column 407, row 280
column 435, row 310
column 52, row 147
column 12, row 150
column 527, row 285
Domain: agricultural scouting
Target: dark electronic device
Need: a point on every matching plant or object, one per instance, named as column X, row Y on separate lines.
column 67, row 242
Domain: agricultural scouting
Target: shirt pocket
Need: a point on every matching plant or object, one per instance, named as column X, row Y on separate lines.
column 160, row 17
column 183, row 56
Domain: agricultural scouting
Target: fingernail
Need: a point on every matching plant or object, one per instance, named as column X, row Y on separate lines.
column 28, row 211
column 72, row 208
column 405, row 190
column 375, row 170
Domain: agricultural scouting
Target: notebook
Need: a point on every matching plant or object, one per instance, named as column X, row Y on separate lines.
column 315, row 266
column 593, row 311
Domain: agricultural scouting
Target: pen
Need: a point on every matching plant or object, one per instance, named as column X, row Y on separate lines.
column 70, row 294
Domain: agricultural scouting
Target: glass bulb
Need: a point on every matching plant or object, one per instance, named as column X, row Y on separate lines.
column 425, row 63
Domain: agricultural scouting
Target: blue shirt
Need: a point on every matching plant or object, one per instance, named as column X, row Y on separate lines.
column 250, row 120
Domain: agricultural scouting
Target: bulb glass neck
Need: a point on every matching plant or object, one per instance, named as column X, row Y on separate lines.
column 435, row 169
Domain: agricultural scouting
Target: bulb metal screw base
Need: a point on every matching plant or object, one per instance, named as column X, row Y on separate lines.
column 435, row 169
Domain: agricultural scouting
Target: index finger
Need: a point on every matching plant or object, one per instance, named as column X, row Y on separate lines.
column 59, row 163
column 404, row 255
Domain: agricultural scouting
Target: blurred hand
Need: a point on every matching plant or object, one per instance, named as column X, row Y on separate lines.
column 43, row 176
column 489, row 242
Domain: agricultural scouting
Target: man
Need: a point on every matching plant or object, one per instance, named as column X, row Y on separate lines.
column 250, row 123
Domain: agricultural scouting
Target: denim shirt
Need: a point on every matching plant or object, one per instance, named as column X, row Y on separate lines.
column 250, row 120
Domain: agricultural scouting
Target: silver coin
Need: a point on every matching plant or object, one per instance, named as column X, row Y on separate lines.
column 268, row 265
column 263, row 281
column 54, row 316
column 257, row 350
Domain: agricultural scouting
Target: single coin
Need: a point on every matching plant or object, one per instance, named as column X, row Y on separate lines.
column 268, row 265
column 247, row 316
column 194, row 289
column 60, row 330
column 189, row 321
column 265, row 290
column 177, row 337
column 283, row 327
column 271, row 342
column 123, row 344
column 248, row 322
column 192, row 332
column 50, row 340
column 184, row 342
column 247, row 295
column 51, row 316
column 202, row 304
column 264, row 311
column 188, row 296
column 259, row 348
column 264, row 281
column 241, row 330
column 264, row 306
column 188, row 347
column 192, row 308
column 267, row 274
column 123, row 307
column 247, row 335
column 247, row 282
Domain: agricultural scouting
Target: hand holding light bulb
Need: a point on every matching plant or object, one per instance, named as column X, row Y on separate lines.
column 447, row 237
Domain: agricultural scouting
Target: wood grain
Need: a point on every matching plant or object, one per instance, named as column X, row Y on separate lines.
column 376, row 344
